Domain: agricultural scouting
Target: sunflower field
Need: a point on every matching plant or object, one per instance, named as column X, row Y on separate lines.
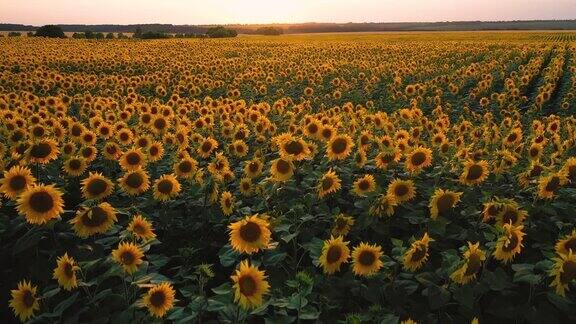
column 346, row 178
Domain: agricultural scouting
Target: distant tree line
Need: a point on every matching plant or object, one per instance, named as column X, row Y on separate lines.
column 269, row 31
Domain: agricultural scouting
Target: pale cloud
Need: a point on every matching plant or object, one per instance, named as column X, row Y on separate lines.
column 38, row 12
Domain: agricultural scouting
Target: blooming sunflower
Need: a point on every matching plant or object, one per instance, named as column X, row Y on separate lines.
column 135, row 182
column 567, row 244
column 564, row 272
column 65, row 272
column 253, row 168
column 159, row 299
column 569, row 169
column 96, row 220
column 401, row 190
column 43, row 151
column 206, row 147
column 442, row 201
column 418, row 159
column 339, row 147
column 475, row 172
column 16, row 180
column 335, row 252
column 509, row 244
column 186, row 167
column 250, row 285
column 549, row 185
column 473, row 258
column 328, row 184
column 510, row 212
column 294, row 149
column 40, row 203
column 250, row 234
column 364, row 185
column 133, row 159
column 226, row 202
column 96, row 186
column 417, row 254
column 129, row 256
column 342, row 225
column 387, row 157
column 385, row 204
column 366, row 259
column 141, row 228
column 75, row 166
column 24, row 301
column 166, row 187
column 281, row 169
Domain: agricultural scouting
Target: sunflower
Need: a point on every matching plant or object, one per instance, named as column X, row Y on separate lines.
column 442, row 201
column 564, row 272
column 509, row 243
column 159, row 299
column 335, row 252
column 65, row 272
column 385, row 204
column 206, row 147
column 89, row 153
column 401, row 190
column 569, row 169
column 364, row 185
column 43, row 151
column 418, row 159
column 16, row 180
column 293, row 149
column 510, row 212
column 133, row 159
column 474, row 172
column 250, row 234
column 186, row 167
column 339, row 147
column 535, row 151
column 473, row 258
column 226, row 203
column 129, row 256
column 328, row 184
column 155, row 151
column 134, row 182
column 24, row 301
column 112, row 151
column 166, row 187
column 281, row 169
column 75, row 166
column 549, row 185
column 96, row 186
column 40, row 203
column 250, row 285
column 366, row 259
column 253, row 168
column 417, row 254
column 567, row 244
column 141, row 228
column 387, row 157
column 342, row 225
column 246, row 187
column 96, row 220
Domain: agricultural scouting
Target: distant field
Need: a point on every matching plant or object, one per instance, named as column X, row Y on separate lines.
column 394, row 177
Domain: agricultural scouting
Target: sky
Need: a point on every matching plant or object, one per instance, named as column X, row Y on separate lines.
column 193, row 12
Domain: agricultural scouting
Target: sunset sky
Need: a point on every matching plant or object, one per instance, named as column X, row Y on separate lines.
column 38, row 12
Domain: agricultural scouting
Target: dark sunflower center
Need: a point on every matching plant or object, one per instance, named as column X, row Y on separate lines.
column 536, row 171
column 68, row 270
column 367, row 258
column 160, row 123
column 387, row 158
column 419, row 253
column 17, row 182
column 445, row 202
column 138, row 229
column 253, row 167
column 475, row 172
column 38, row 131
column 87, row 152
column 97, row 187
column 493, row 210
column 250, row 232
column 28, row 299
column 154, row 150
column 127, row 258
column 326, row 133
column 41, row 202
column 474, row 264
column 418, row 158
column 165, row 186
column 185, row 166
column 401, row 190
column 157, row 299
column 534, row 152
column 570, row 245
column 312, row 128
column 553, row 184
column 333, row 254
column 568, row 272
column 512, row 243
column 40, row 150
column 339, row 146
column 294, row 147
column 206, row 147
column 364, row 185
column 74, row 164
column 134, row 180
column 512, row 137
column 94, row 217
column 133, row 158
column 572, row 171
column 510, row 215
column 76, row 131
column 327, row 183
column 283, row 167
column 247, row 285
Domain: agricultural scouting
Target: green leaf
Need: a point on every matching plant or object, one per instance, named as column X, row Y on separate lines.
column 31, row 238
column 228, row 256
column 60, row 308
column 223, row 289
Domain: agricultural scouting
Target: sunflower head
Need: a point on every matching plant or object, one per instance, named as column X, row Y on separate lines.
column 65, row 272
column 159, row 299
column 401, row 190
column 40, row 204
column 16, row 180
column 335, row 252
column 141, row 228
column 250, row 235
column 366, row 259
column 24, row 301
column 129, row 256
column 250, row 285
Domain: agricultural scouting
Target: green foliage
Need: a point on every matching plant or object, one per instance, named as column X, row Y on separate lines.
column 51, row 31
column 221, row 32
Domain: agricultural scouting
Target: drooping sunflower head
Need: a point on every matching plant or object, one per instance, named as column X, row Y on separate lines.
column 129, row 256
column 549, row 185
column 364, row 185
column 250, row 235
column 509, row 244
column 159, row 299
column 564, row 272
column 226, row 203
column 40, row 204
column 166, row 187
column 417, row 254
column 473, row 259
column 510, row 212
column 567, row 244
column 96, row 186
column 141, row 228
column 16, row 180
column 401, row 190
column 24, row 301
column 335, row 252
column 366, row 259
column 96, row 220
column 342, row 225
column 250, row 285
column 328, row 184
column 65, row 272
column 384, row 205
column 442, row 201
